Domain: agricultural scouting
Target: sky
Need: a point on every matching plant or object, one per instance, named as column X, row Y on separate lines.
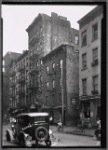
column 16, row 19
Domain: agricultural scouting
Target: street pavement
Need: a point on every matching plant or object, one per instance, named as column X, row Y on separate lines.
column 75, row 130
column 63, row 138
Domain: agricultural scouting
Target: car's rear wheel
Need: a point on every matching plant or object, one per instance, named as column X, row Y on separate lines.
column 8, row 136
column 48, row 143
column 41, row 134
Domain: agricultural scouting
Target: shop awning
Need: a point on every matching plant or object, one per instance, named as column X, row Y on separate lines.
column 59, row 107
column 88, row 98
column 53, row 108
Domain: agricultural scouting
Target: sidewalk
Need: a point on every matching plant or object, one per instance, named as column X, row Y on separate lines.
column 75, row 130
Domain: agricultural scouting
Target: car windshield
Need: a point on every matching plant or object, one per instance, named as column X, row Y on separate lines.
column 39, row 119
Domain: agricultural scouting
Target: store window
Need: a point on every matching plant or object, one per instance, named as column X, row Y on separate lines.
column 86, row 106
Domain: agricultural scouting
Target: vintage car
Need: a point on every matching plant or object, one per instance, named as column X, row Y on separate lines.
column 29, row 129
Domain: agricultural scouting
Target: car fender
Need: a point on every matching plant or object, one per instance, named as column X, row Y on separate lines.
column 11, row 134
column 27, row 139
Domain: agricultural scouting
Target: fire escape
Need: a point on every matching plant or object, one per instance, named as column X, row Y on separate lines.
column 33, row 83
column 21, row 86
column 12, row 86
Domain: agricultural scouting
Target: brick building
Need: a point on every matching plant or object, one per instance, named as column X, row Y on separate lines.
column 45, row 34
column 7, row 64
column 90, row 35
column 18, row 82
column 60, row 83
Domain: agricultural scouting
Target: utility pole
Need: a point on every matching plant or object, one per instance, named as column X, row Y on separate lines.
column 62, row 90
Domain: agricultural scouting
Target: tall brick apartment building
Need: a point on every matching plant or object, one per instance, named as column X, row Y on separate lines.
column 7, row 59
column 46, row 34
column 60, row 80
column 18, row 82
column 90, row 64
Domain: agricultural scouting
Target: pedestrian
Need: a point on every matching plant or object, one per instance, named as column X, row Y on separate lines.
column 82, row 126
column 59, row 125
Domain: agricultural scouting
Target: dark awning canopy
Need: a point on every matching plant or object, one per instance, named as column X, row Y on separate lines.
column 53, row 108
column 88, row 98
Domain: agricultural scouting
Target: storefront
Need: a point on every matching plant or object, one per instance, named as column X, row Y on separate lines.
column 55, row 113
column 90, row 109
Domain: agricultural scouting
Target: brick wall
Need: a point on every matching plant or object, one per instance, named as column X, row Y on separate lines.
column 72, row 82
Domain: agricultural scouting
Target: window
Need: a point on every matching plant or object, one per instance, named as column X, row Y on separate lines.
column 61, row 63
column 60, row 97
column 37, row 64
column 86, row 106
column 95, row 83
column 47, row 85
column 27, row 62
column 84, row 86
column 41, row 62
column 95, row 57
column 46, row 99
column 60, row 82
column 53, row 99
column 53, row 65
column 95, row 31
column 76, row 39
column 70, row 38
column 84, row 38
column 84, row 61
column 95, row 54
column 53, row 84
column 41, row 80
column 47, row 69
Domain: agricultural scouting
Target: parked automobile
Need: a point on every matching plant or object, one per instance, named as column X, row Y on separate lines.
column 29, row 129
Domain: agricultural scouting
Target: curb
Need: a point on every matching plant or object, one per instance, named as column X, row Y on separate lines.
column 76, row 133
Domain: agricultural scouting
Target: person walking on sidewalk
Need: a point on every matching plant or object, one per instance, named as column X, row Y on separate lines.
column 59, row 127
column 82, row 126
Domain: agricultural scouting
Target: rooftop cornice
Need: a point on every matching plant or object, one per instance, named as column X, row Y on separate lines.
column 92, row 14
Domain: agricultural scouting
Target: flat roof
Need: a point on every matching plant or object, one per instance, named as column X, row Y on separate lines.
column 33, row 114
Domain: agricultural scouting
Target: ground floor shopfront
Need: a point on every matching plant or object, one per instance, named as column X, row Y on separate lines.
column 90, row 110
column 67, row 117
